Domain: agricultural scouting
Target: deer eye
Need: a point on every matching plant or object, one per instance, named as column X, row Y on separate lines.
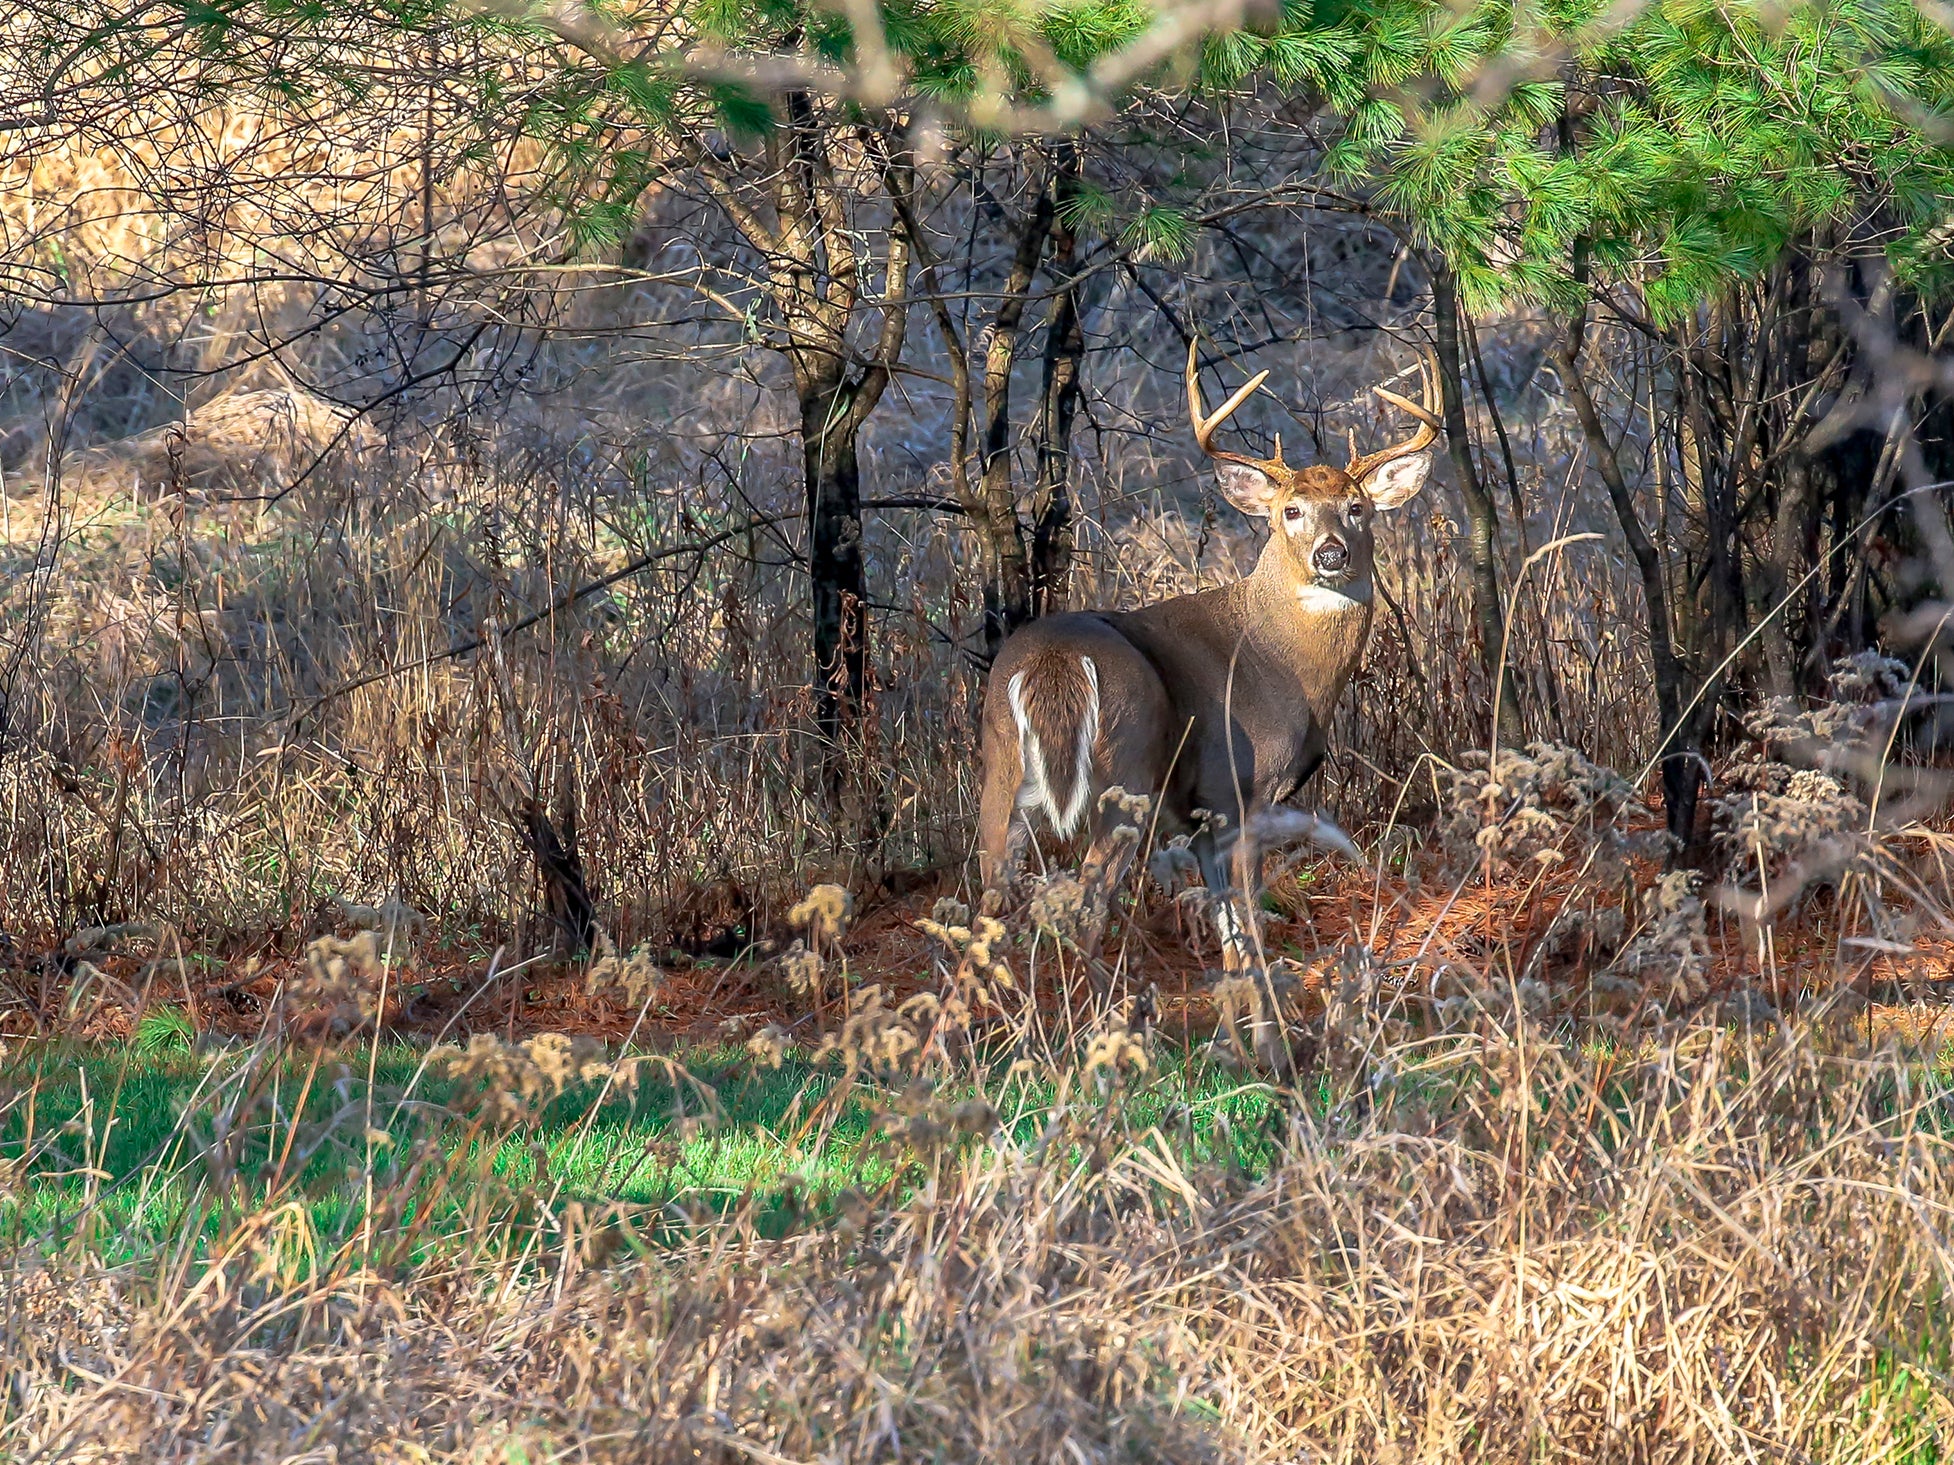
column 1354, row 511
column 1292, row 513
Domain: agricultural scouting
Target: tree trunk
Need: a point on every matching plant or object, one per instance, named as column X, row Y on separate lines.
column 1482, row 516
column 1787, row 637
column 554, row 848
column 1065, row 349
column 1007, row 578
column 1713, row 484
column 1810, row 480
column 1679, row 750
column 831, row 478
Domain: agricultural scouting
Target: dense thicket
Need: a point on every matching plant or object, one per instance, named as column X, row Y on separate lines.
column 1713, row 239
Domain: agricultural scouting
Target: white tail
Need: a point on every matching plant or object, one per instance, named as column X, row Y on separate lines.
column 1036, row 791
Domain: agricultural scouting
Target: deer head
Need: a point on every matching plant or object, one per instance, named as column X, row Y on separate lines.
column 1319, row 516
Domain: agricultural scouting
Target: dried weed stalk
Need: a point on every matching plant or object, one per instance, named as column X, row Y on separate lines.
column 823, row 914
column 633, row 976
column 1701, row 1246
column 343, row 987
column 509, row 1083
column 1546, row 804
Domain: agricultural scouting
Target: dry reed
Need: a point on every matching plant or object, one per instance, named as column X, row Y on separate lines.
column 1486, row 1244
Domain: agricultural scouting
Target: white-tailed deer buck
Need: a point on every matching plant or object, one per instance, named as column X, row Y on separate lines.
column 1217, row 701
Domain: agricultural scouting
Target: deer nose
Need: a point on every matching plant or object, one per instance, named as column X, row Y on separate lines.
column 1331, row 556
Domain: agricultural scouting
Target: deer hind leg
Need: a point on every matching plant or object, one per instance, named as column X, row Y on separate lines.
column 1109, row 860
column 1003, row 830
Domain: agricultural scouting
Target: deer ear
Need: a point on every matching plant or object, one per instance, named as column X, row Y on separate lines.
column 1247, row 487
column 1398, row 481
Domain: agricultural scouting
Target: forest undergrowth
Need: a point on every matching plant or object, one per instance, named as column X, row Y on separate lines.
column 1516, row 1143
column 955, row 1227
column 332, row 1126
column 476, row 985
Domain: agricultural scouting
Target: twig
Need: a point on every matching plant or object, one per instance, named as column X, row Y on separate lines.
column 555, row 607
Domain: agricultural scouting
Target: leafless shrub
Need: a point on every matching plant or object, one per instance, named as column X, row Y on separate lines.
column 634, row 975
column 1662, row 970
column 824, row 913
column 1778, row 819
column 1869, row 677
column 1114, row 1052
column 1546, row 804
column 1255, row 1021
column 343, row 986
column 977, row 950
column 1789, row 818
column 804, row 971
column 1074, row 909
column 1058, row 904
column 249, row 442
column 877, row 1035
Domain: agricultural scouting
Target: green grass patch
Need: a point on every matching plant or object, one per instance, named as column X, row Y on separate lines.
column 137, row 1148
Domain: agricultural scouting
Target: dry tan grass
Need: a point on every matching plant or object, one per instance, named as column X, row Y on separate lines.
column 1519, row 1205
column 1487, row 1246
column 237, row 713
column 209, row 749
column 243, row 444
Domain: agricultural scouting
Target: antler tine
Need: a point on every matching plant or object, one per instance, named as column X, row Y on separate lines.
column 1428, row 383
column 1363, row 464
column 1423, row 414
column 1204, row 427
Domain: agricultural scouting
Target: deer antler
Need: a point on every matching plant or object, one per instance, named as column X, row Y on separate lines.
column 1364, row 464
column 1204, row 427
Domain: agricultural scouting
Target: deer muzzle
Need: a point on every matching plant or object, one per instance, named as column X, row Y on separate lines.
column 1331, row 557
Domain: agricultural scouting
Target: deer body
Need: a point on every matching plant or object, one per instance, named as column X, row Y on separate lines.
column 1218, row 701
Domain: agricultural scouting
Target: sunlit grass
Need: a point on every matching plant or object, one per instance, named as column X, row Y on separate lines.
column 128, row 1145
column 1735, row 1223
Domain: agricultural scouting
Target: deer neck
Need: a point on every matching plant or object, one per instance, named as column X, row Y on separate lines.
column 1314, row 633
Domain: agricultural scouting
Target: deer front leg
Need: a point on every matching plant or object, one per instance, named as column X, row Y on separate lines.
column 1233, row 901
column 1237, row 913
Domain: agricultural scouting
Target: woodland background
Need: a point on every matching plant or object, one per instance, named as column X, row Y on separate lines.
column 505, row 509
column 409, row 411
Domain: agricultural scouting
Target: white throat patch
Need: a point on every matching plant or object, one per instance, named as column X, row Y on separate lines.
column 1322, row 600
